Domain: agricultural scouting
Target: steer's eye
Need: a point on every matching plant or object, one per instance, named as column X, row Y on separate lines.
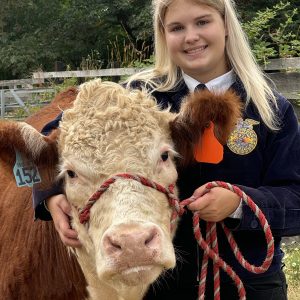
column 71, row 174
column 165, row 155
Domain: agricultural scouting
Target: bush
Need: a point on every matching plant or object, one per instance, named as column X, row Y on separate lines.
column 268, row 40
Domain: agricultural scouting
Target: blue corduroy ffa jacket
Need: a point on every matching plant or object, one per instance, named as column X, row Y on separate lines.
column 269, row 172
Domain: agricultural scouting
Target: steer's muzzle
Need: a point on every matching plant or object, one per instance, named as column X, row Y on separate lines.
column 135, row 252
column 126, row 243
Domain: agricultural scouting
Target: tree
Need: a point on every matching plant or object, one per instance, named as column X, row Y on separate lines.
column 23, row 43
column 36, row 34
column 271, row 32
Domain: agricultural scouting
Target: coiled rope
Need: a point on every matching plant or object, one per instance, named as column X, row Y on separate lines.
column 210, row 243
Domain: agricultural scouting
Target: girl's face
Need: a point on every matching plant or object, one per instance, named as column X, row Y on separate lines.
column 195, row 37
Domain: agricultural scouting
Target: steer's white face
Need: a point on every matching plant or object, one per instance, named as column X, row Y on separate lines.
column 128, row 241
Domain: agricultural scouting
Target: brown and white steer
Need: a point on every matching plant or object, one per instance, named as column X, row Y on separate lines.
column 127, row 239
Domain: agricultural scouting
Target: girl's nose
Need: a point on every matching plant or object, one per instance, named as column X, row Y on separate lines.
column 192, row 35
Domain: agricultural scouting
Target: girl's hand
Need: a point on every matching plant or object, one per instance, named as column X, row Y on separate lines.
column 60, row 210
column 214, row 205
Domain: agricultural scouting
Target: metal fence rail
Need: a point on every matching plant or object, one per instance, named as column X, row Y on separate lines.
column 23, row 99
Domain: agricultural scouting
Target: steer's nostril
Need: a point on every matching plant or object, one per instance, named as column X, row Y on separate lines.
column 111, row 245
column 115, row 245
column 149, row 240
column 153, row 238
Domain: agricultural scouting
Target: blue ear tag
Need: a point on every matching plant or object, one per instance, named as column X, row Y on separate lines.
column 26, row 173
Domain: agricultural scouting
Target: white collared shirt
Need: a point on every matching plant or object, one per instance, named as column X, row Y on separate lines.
column 218, row 85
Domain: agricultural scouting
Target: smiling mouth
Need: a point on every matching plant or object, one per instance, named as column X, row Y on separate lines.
column 195, row 50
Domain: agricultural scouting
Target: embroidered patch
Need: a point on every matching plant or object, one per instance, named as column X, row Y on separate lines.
column 26, row 173
column 243, row 138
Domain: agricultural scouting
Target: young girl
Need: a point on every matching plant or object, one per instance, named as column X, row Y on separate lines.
column 201, row 42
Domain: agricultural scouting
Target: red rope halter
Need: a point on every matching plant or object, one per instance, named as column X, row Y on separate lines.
column 210, row 243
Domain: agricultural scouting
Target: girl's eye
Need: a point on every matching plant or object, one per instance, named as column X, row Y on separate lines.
column 164, row 156
column 202, row 22
column 177, row 28
column 71, row 174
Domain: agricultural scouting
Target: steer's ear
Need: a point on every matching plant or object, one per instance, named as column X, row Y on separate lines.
column 19, row 138
column 197, row 112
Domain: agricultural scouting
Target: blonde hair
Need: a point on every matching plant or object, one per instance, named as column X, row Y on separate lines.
column 237, row 50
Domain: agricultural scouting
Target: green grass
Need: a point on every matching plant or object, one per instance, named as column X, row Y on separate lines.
column 292, row 268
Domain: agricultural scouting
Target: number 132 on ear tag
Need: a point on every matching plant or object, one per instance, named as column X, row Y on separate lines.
column 26, row 173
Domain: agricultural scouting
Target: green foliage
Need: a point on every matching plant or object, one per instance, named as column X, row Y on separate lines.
column 112, row 33
column 144, row 63
column 288, row 42
column 33, row 104
column 270, row 32
column 127, row 54
column 92, row 62
column 23, row 43
column 67, row 82
column 36, row 34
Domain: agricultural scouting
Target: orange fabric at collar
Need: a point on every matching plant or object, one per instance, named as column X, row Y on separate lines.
column 209, row 149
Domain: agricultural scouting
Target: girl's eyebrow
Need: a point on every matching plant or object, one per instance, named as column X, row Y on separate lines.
column 179, row 23
column 172, row 24
column 203, row 16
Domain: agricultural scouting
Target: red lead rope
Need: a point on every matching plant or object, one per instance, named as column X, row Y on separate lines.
column 210, row 246
column 210, row 243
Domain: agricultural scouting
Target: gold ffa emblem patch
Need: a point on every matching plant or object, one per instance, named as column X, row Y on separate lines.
column 243, row 138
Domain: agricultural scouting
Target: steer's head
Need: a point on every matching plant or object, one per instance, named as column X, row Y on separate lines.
column 111, row 130
column 127, row 237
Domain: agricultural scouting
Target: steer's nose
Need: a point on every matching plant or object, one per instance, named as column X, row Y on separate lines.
column 132, row 241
